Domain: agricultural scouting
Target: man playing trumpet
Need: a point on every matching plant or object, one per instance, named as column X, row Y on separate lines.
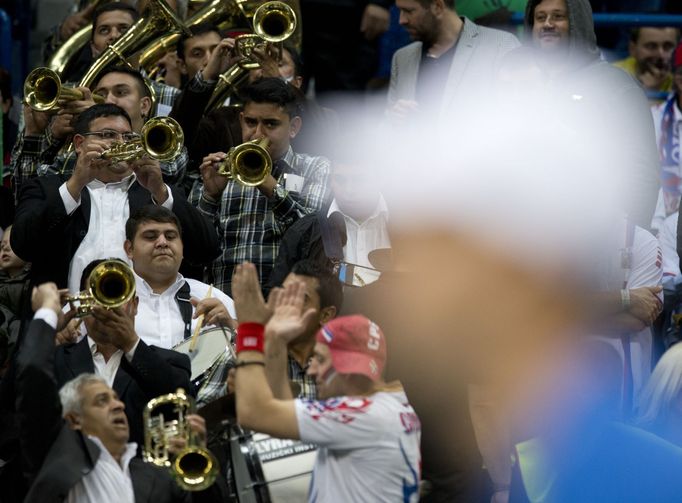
column 78, row 450
column 83, row 217
column 252, row 220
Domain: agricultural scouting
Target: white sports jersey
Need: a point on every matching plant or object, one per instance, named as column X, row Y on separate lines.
column 369, row 448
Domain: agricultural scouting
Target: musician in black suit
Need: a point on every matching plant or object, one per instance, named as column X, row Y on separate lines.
column 112, row 349
column 79, row 449
column 62, row 225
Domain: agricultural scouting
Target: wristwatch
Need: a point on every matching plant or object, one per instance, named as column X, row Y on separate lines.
column 278, row 193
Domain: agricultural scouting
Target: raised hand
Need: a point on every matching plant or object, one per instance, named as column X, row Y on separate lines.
column 148, row 172
column 288, row 320
column 247, row 295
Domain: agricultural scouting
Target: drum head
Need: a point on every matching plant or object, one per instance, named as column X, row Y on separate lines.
column 212, row 342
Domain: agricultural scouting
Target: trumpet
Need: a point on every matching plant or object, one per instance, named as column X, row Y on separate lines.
column 111, row 284
column 194, row 468
column 161, row 138
column 273, row 22
column 43, row 89
column 249, row 163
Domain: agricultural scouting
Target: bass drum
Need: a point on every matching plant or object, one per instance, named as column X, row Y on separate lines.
column 265, row 469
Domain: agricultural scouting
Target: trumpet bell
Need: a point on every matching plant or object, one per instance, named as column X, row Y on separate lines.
column 161, row 138
column 249, row 163
column 111, row 284
column 274, row 21
column 43, row 89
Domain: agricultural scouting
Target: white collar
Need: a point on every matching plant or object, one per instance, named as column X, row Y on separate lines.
column 123, row 184
column 380, row 209
column 131, row 450
column 145, row 288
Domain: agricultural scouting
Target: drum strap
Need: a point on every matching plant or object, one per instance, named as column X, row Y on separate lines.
column 182, row 298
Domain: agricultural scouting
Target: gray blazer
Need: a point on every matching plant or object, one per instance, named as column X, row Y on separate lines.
column 474, row 67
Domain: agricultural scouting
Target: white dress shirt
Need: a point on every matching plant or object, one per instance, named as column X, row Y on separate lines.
column 109, row 481
column 158, row 321
column 109, row 211
column 108, row 368
column 364, row 237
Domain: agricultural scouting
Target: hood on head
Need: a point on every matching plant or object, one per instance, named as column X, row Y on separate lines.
column 582, row 39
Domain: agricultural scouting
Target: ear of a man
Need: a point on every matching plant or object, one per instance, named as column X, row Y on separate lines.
column 73, row 421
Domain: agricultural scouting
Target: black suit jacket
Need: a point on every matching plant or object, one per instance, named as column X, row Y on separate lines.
column 46, row 236
column 57, row 457
column 152, row 372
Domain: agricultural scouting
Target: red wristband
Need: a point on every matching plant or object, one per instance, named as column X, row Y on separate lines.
column 250, row 337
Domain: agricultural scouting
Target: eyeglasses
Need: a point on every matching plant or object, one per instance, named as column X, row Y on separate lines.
column 110, row 134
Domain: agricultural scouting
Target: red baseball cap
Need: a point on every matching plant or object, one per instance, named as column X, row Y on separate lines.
column 357, row 345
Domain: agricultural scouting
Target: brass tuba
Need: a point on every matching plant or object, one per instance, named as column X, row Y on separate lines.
column 43, row 90
column 194, row 468
column 111, row 284
column 159, row 19
column 222, row 13
column 68, row 50
column 249, row 163
column 161, row 138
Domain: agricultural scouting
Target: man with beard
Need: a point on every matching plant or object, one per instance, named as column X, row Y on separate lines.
column 602, row 103
column 447, row 49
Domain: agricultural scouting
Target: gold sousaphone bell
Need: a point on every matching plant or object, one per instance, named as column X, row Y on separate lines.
column 249, row 163
column 161, row 138
column 194, row 468
column 43, row 90
column 111, row 284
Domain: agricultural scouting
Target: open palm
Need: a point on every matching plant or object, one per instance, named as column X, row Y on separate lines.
column 288, row 320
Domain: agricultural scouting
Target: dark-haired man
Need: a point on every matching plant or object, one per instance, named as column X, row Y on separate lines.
column 450, row 60
column 36, row 152
column 252, row 220
column 110, row 21
column 322, row 294
column 169, row 304
column 63, row 224
column 114, row 350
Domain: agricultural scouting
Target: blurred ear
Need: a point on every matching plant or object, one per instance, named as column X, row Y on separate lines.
column 145, row 106
column 295, row 126
column 128, row 247
column 326, row 314
column 73, row 421
column 77, row 142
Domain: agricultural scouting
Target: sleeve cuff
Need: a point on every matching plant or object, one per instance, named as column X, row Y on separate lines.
column 199, row 84
column 47, row 315
column 70, row 204
column 131, row 354
column 168, row 203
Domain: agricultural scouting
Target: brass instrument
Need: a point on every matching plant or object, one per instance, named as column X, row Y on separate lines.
column 111, row 284
column 161, row 138
column 43, row 90
column 222, row 13
column 159, row 19
column 194, row 468
column 249, row 163
column 273, row 22
column 66, row 52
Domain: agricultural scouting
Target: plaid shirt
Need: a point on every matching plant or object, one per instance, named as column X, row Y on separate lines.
column 250, row 226
column 39, row 155
column 297, row 374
